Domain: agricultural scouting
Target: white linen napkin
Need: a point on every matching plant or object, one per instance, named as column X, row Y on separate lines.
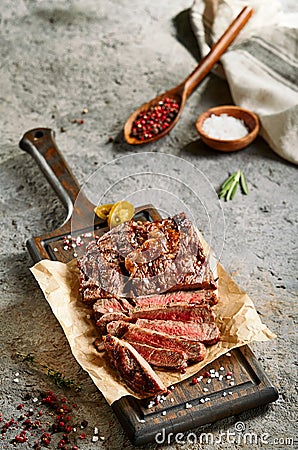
column 261, row 66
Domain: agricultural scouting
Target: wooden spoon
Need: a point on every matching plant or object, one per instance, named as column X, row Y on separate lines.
column 181, row 92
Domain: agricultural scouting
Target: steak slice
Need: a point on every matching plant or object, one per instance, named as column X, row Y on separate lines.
column 133, row 368
column 104, row 320
column 117, row 328
column 160, row 357
column 179, row 311
column 197, row 297
column 194, row 350
column 208, row 333
column 107, row 305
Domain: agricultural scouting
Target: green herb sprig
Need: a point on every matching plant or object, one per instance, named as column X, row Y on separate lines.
column 57, row 377
column 229, row 187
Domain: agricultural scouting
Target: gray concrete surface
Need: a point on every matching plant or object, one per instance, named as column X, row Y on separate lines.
column 58, row 57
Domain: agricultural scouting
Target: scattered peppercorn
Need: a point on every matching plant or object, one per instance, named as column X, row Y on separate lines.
column 155, row 120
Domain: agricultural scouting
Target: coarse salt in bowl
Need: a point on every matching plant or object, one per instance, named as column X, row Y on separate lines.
column 228, row 128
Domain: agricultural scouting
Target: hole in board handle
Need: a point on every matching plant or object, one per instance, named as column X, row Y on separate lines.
column 38, row 135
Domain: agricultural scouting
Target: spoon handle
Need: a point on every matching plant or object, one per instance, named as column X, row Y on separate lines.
column 216, row 51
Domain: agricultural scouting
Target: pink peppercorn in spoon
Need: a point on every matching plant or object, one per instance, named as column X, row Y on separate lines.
column 156, row 118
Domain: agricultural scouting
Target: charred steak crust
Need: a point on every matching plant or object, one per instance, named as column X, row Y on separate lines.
column 141, row 258
column 133, row 368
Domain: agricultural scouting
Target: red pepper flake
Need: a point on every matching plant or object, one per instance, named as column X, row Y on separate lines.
column 75, row 120
column 20, row 406
column 82, row 436
column 74, row 447
column 74, row 405
column 194, row 380
column 155, row 120
column 20, row 439
column 82, row 121
column 229, row 374
column 206, row 374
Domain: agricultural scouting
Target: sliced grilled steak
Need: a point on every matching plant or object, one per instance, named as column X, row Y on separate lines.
column 133, row 368
column 190, row 297
column 179, row 311
column 160, row 357
column 208, row 333
column 194, row 350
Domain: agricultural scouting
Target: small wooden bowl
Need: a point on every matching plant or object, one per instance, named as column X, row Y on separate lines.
column 250, row 120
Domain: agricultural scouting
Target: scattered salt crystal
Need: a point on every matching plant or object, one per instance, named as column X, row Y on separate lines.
column 164, row 413
column 224, row 394
column 220, row 377
column 172, row 387
column 216, row 374
column 221, row 368
column 35, row 400
column 224, row 127
column 65, row 247
column 95, row 430
column 231, row 383
column 16, row 380
column 142, row 420
column 209, row 381
column 212, row 370
column 230, row 393
column 228, row 354
column 172, row 400
column 94, row 438
column 200, row 378
column 229, row 377
column 75, row 255
column 102, row 438
column 17, row 374
column 207, row 399
column 202, row 400
column 205, row 389
column 188, row 405
column 111, row 310
column 55, row 249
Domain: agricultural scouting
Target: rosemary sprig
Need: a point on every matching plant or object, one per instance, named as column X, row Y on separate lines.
column 229, row 187
column 57, row 377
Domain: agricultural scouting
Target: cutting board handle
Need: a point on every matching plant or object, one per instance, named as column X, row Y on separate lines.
column 40, row 143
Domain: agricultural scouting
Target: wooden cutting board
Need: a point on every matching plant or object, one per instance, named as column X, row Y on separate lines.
column 189, row 405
